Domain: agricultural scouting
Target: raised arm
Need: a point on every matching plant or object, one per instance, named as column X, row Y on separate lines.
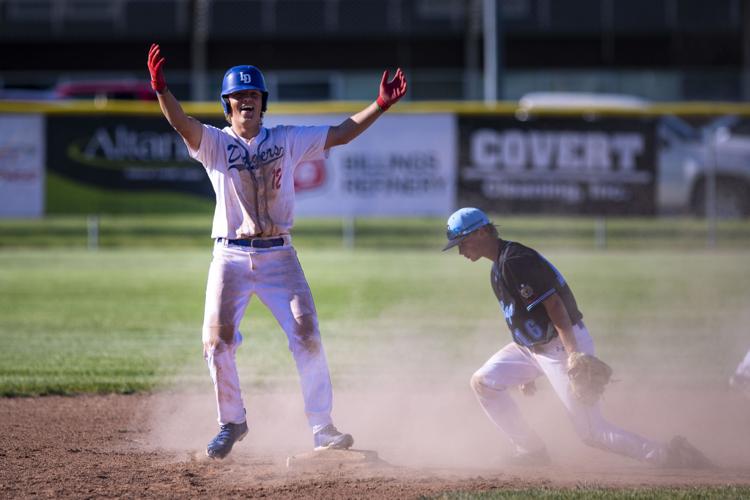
column 390, row 93
column 188, row 127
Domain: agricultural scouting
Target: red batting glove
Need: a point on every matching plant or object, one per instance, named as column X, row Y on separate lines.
column 155, row 62
column 391, row 92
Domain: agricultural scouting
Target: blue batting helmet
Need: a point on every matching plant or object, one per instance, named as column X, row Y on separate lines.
column 462, row 223
column 243, row 78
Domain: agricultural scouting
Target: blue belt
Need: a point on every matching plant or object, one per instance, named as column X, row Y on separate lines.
column 254, row 242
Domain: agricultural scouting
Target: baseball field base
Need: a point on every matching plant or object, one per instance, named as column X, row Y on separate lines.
column 334, row 459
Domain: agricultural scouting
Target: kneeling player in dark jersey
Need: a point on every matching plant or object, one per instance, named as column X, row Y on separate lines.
column 546, row 327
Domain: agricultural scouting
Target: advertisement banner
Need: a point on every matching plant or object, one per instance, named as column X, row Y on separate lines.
column 557, row 165
column 21, row 165
column 124, row 153
column 402, row 165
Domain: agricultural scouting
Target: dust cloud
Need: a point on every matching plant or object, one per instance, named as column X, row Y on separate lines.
column 408, row 398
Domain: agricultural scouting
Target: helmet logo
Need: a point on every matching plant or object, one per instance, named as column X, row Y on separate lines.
column 245, row 77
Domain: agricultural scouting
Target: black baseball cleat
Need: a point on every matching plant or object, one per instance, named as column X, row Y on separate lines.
column 329, row 438
column 535, row 458
column 221, row 445
column 681, row 454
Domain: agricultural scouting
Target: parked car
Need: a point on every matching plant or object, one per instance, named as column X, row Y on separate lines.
column 567, row 100
column 99, row 90
column 132, row 90
column 690, row 154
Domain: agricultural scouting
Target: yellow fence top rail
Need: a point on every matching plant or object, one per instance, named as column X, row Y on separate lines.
column 350, row 107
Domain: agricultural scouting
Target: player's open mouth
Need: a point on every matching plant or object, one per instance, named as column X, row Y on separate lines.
column 247, row 108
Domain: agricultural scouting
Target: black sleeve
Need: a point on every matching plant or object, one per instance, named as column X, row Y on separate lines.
column 531, row 279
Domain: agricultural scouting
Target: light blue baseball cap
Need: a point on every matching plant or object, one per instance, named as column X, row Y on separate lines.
column 462, row 223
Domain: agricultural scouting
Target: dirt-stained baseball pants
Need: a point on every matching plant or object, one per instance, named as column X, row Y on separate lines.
column 276, row 277
column 515, row 365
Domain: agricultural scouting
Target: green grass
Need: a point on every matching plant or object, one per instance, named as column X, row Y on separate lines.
column 78, row 322
column 127, row 316
column 702, row 492
column 124, row 320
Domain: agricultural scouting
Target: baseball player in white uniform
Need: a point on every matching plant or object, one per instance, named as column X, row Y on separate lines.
column 546, row 326
column 251, row 169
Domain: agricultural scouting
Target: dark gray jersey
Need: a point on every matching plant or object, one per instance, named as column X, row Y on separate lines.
column 522, row 279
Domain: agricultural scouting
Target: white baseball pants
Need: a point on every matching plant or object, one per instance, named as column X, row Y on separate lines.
column 515, row 365
column 276, row 277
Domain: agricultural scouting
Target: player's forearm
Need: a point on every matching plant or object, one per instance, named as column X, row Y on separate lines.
column 189, row 128
column 172, row 110
column 561, row 320
column 358, row 123
column 567, row 337
column 353, row 126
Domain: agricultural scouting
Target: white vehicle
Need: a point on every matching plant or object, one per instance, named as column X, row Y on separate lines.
column 577, row 100
column 690, row 155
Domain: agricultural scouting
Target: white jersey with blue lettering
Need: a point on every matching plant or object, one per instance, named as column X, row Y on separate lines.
column 254, row 179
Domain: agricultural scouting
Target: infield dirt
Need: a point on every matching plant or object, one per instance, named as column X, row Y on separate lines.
column 151, row 446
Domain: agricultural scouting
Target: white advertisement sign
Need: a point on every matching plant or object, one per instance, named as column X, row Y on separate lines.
column 22, row 144
column 401, row 165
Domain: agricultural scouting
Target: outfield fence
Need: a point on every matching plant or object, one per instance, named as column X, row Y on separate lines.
column 171, row 231
column 422, row 159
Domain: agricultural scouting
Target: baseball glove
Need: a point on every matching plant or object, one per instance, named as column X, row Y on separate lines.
column 588, row 375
